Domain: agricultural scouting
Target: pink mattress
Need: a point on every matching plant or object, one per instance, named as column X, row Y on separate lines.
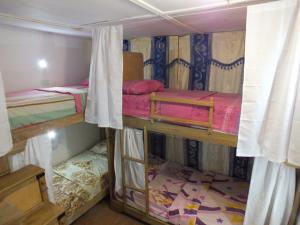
column 226, row 110
column 184, row 196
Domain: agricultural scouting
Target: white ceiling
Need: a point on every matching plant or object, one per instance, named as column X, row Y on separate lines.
column 139, row 17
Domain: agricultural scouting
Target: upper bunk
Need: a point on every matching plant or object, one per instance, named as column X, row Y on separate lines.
column 34, row 112
column 199, row 115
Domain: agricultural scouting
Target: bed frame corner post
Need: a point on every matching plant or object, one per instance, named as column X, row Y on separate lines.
column 110, row 134
column 152, row 106
column 211, row 115
column 146, row 169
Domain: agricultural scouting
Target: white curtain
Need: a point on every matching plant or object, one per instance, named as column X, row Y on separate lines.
column 133, row 147
column 270, row 109
column 104, row 102
column 38, row 151
column 5, row 135
column 271, row 194
column 270, row 117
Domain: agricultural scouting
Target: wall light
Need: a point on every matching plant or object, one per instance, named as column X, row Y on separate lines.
column 51, row 134
column 42, row 63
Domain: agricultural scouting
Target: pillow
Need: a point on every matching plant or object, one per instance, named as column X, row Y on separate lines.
column 100, row 148
column 85, row 82
column 139, row 87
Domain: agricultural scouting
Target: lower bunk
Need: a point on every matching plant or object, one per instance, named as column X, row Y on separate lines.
column 176, row 194
column 81, row 182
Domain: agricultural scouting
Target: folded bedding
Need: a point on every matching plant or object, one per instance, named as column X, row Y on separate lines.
column 227, row 108
column 181, row 195
column 35, row 106
column 79, row 179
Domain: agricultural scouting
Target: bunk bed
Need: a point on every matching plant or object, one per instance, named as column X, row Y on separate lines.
column 38, row 111
column 202, row 119
column 34, row 112
column 81, row 181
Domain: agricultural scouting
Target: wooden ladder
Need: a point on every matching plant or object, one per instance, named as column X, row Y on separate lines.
column 24, row 199
column 144, row 162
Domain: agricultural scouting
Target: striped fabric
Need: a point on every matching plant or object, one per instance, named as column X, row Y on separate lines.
column 36, row 106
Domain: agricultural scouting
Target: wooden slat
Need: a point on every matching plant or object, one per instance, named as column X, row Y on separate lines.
column 184, row 101
column 123, row 165
column 182, row 131
column 296, row 204
column 181, row 121
column 110, row 138
column 23, row 133
column 146, row 169
column 211, row 115
column 134, row 159
column 4, row 165
column 134, row 188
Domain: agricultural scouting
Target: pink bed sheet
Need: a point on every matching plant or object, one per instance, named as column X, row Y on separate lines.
column 226, row 111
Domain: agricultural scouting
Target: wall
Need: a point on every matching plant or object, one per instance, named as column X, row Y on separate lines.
column 74, row 139
column 68, row 58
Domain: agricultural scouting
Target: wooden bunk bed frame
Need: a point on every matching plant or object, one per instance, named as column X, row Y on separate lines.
column 158, row 124
column 20, row 135
column 161, row 124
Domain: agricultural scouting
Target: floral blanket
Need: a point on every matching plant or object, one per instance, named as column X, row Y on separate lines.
column 79, row 180
column 181, row 195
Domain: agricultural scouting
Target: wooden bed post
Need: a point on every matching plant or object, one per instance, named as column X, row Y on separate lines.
column 110, row 138
column 123, row 167
column 296, row 205
column 152, row 106
column 146, row 169
column 211, row 115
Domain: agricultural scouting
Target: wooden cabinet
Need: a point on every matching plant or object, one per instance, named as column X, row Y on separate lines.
column 24, row 199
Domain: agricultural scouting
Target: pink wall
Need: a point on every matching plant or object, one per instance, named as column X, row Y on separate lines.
column 68, row 58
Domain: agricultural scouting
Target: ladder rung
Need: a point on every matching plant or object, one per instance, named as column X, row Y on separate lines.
column 133, row 159
column 134, row 188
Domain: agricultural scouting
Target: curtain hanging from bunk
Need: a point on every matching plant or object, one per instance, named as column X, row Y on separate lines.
column 271, row 194
column 38, row 151
column 271, row 108
column 5, row 135
column 270, row 117
column 133, row 147
column 104, row 103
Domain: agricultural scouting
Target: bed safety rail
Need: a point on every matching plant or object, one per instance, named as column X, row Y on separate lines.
column 200, row 103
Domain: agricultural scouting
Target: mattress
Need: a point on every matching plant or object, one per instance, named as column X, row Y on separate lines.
column 40, row 105
column 79, row 180
column 227, row 108
column 181, row 195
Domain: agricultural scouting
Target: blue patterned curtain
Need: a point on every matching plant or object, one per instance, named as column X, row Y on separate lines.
column 159, row 58
column 200, row 59
column 159, row 61
column 126, row 45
